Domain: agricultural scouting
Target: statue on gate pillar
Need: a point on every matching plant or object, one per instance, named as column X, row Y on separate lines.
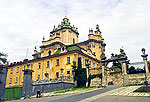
column 146, row 64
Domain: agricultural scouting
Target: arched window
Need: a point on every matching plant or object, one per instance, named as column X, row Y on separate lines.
column 49, row 53
column 73, row 41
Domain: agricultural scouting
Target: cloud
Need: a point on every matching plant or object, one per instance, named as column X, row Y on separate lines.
column 122, row 22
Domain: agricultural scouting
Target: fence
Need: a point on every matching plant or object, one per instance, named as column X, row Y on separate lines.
column 13, row 93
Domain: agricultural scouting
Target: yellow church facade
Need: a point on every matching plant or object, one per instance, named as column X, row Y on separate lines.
column 57, row 54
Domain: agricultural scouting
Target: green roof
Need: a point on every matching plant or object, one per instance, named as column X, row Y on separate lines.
column 57, row 52
column 117, row 69
column 71, row 48
column 64, row 25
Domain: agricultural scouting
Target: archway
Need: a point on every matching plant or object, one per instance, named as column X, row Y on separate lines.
column 122, row 59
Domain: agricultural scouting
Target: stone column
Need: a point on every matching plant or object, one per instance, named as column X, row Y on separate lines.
column 124, row 66
column 87, row 75
column 104, row 80
column 146, row 64
column 125, row 75
column 27, row 83
column 3, row 75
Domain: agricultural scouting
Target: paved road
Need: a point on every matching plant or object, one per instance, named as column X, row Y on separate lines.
column 78, row 97
column 92, row 96
column 69, row 98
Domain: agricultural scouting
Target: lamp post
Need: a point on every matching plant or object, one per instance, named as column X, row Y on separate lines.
column 144, row 55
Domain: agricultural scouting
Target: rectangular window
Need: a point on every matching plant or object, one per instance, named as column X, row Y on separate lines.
column 68, row 60
column 11, row 71
column 68, row 73
column 10, row 81
column 57, row 62
column 16, row 79
column 86, row 61
column 94, row 53
column 73, row 41
column 31, row 66
column 57, row 74
column 39, row 65
column 90, row 62
column 17, row 69
column 47, row 64
column 57, row 34
column 38, row 77
column 97, row 67
column 93, row 65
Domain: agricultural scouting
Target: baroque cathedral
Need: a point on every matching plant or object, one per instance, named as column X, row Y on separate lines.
column 58, row 54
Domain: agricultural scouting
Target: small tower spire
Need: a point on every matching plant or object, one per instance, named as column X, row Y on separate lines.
column 65, row 14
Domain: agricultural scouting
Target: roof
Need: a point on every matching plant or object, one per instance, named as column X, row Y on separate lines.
column 52, row 44
column 91, row 40
column 65, row 24
column 69, row 48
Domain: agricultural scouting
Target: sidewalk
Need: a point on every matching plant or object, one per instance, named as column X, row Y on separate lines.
column 123, row 91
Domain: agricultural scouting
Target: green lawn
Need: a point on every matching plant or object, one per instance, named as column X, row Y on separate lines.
column 143, row 89
column 73, row 89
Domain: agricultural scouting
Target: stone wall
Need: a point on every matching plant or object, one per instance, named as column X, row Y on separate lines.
column 115, row 79
column 51, row 86
column 136, row 78
column 96, row 82
column 30, row 88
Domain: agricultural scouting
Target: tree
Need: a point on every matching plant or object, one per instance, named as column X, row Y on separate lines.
column 80, row 75
column 79, row 63
column 3, row 58
column 133, row 70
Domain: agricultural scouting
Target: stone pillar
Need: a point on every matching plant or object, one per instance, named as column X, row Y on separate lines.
column 87, row 72
column 146, row 65
column 125, row 75
column 87, row 75
column 104, row 80
column 27, row 83
column 3, row 75
column 124, row 66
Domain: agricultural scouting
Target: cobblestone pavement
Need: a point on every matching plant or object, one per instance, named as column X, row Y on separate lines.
column 123, row 91
column 122, row 99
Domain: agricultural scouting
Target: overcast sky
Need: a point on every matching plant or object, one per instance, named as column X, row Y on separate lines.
column 23, row 23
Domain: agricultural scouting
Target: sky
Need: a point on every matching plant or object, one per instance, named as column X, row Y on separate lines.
column 123, row 23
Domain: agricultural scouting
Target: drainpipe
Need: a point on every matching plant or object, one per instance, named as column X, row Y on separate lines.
column 20, row 74
column 42, row 69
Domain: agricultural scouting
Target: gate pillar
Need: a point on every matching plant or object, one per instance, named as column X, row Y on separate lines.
column 146, row 64
column 125, row 75
column 104, row 76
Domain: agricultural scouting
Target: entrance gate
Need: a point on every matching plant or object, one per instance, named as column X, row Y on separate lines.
column 117, row 78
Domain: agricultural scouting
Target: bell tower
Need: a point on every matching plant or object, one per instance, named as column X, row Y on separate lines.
column 65, row 33
column 97, row 35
